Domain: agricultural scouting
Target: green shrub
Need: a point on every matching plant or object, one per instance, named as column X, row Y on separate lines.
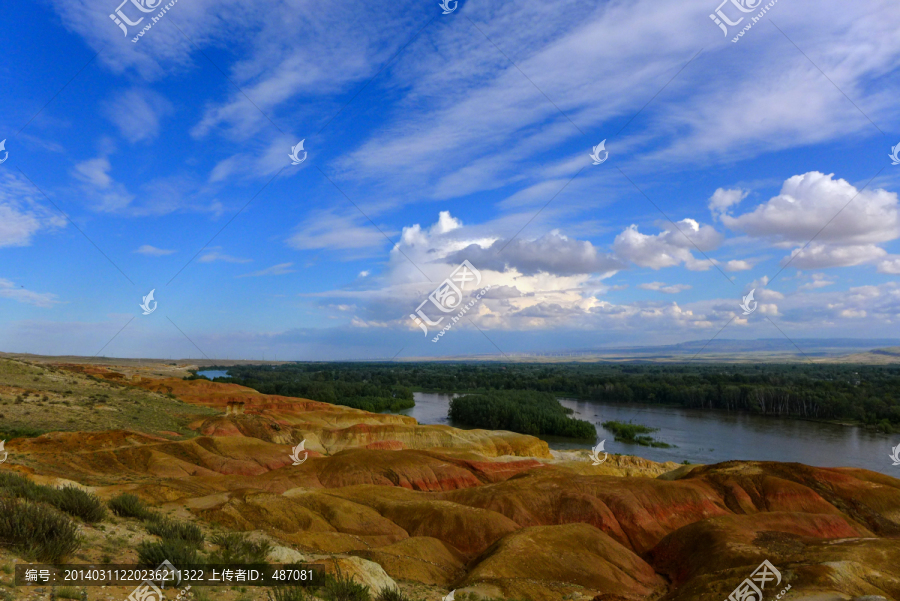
column 9, row 432
column 75, row 501
column 129, row 506
column 69, row 499
column 172, row 530
column 179, row 553
column 236, row 548
column 37, row 531
column 343, row 588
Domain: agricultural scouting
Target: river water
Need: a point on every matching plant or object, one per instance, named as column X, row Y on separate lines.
column 212, row 374
column 713, row 436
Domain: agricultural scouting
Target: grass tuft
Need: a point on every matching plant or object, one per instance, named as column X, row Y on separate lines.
column 179, row 553
column 69, row 499
column 391, row 594
column 130, row 506
column 37, row 531
column 236, row 548
column 172, row 530
column 343, row 588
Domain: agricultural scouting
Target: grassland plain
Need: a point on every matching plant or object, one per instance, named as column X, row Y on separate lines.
column 44, row 398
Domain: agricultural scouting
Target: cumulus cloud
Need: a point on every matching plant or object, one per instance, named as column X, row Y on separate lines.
column 810, row 201
column 738, row 265
column 890, row 265
column 553, row 253
column 671, row 247
column 723, row 199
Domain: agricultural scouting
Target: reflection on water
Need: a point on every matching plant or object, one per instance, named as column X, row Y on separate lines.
column 712, row 436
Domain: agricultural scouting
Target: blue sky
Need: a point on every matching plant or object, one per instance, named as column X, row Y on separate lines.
column 163, row 164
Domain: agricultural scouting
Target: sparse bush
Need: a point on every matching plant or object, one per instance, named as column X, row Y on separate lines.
column 172, row 530
column 68, row 592
column 37, row 531
column 288, row 593
column 343, row 588
column 179, row 553
column 129, row 506
column 391, row 594
column 69, row 499
column 236, row 548
column 75, row 501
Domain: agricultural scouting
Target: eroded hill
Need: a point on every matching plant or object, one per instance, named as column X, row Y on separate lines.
column 434, row 508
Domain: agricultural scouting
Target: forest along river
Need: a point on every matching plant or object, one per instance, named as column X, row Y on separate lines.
column 712, row 436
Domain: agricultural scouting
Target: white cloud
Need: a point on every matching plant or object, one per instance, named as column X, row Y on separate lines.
column 9, row 290
column 554, row 253
column 280, row 269
column 213, row 255
column 106, row 194
column 21, row 213
column 890, row 265
column 671, row 247
column 661, row 287
column 819, row 256
column 330, row 230
column 137, row 113
column 819, row 280
column 738, row 265
column 810, row 201
column 152, row 251
column 723, row 199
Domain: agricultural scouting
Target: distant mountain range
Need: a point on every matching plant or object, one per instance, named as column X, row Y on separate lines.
column 831, row 350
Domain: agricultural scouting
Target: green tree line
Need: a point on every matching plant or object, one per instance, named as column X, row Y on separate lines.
column 523, row 411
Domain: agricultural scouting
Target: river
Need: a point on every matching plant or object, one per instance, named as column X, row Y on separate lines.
column 713, row 436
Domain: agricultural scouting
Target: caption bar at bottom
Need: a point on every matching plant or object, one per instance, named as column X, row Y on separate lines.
column 306, row 574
